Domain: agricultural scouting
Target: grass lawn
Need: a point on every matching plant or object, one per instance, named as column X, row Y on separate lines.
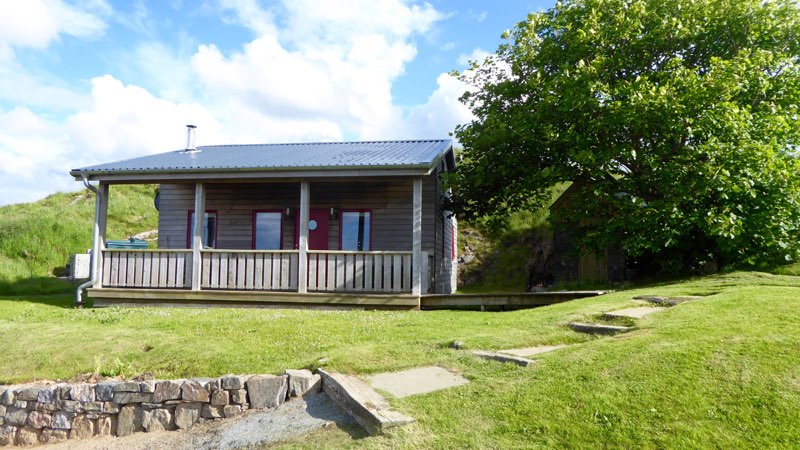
column 721, row 372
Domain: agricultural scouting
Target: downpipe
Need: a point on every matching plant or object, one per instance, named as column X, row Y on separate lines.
column 95, row 245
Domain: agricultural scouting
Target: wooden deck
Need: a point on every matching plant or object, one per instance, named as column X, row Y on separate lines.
column 176, row 297
column 504, row 301
column 228, row 298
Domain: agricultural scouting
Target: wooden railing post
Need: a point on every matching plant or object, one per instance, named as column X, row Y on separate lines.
column 197, row 235
column 302, row 263
column 102, row 224
column 416, row 247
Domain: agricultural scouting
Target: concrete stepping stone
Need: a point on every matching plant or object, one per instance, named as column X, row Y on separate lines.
column 595, row 328
column 420, row 380
column 667, row 301
column 532, row 351
column 518, row 360
column 366, row 406
column 632, row 313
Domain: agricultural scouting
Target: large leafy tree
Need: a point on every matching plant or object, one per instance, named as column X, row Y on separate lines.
column 675, row 120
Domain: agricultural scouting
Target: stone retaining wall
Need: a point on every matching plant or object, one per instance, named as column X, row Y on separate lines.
column 33, row 414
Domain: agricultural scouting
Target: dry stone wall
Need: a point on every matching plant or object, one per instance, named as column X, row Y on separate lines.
column 33, row 414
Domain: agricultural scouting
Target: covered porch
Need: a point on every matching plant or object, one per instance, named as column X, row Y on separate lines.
column 276, row 276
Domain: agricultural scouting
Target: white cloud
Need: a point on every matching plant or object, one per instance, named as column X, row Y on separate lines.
column 315, row 70
column 442, row 111
column 477, row 55
column 37, row 23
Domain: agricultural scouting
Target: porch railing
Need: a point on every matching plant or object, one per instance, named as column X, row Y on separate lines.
column 270, row 270
column 147, row 268
column 274, row 270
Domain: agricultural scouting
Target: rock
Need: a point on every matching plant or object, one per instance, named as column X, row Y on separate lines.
column 132, row 397
column 104, row 392
column 456, row 345
column 220, row 398
column 232, row 410
column 106, row 426
column 127, row 386
column 210, row 384
column 3, row 410
column 46, row 395
column 7, row 434
column 70, row 406
column 82, row 393
column 187, row 414
column 110, row 408
column 28, row 393
column 50, row 436
column 148, row 386
column 39, row 420
column 302, row 382
column 239, row 396
column 129, row 420
column 7, row 397
column 62, row 420
column 62, row 391
column 158, row 420
column 193, row 391
column 267, row 391
column 16, row 416
column 82, row 427
column 233, row 382
column 167, row 390
column 213, row 412
column 20, row 404
column 93, row 407
column 46, row 407
column 28, row 436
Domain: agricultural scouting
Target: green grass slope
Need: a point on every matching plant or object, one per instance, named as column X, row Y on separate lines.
column 720, row 372
column 36, row 239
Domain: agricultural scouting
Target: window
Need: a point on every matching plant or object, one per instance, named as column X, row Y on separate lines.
column 209, row 230
column 267, row 230
column 355, row 230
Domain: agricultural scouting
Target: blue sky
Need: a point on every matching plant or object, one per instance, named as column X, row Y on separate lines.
column 83, row 82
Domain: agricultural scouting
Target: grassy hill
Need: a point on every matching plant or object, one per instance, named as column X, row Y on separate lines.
column 36, row 239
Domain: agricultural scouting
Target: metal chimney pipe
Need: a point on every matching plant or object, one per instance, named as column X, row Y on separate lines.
column 190, row 138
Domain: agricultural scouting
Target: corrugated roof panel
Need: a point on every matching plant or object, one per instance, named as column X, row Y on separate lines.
column 374, row 154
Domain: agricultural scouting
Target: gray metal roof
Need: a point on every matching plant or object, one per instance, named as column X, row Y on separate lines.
column 264, row 157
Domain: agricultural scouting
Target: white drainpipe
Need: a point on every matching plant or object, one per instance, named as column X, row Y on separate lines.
column 95, row 245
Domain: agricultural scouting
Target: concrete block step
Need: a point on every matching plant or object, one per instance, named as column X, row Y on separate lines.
column 632, row 313
column 363, row 403
column 667, row 301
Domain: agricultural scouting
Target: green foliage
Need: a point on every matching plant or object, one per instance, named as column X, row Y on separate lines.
column 677, row 120
column 36, row 239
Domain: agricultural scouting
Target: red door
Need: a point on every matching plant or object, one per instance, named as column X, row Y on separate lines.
column 317, row 229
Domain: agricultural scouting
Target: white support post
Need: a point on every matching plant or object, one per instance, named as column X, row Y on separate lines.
column 416, row 245
column 101, row 222
column 197, row 233
column 302, row 263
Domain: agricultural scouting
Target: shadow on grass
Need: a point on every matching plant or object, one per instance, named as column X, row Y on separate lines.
column 44, row 290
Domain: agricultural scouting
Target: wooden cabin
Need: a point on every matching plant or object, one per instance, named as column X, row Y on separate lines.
column 345, row 223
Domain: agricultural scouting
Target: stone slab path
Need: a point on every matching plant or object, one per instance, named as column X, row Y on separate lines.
column 518, row 360
column 532, row 351
column 595, row 328
column 420, row 380
column 632, row 313
column 667, row 301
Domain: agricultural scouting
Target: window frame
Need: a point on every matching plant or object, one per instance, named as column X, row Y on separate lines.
column 255, row 216
column 341, row 227
column 189, row 227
